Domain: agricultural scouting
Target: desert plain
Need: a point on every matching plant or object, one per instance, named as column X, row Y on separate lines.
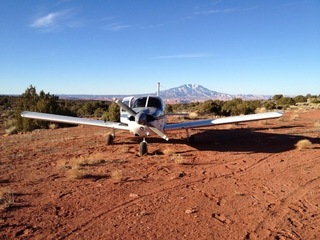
column 244, row 181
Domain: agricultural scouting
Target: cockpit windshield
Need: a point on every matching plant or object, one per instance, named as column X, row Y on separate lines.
column 148, row 102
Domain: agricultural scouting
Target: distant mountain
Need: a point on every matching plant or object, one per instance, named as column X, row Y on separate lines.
column 183, row 94
column 194, row 92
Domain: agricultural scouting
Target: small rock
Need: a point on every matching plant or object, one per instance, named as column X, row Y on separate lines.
column 192, row 210
column 221, row 217
column 133, row 195
column 222, row 202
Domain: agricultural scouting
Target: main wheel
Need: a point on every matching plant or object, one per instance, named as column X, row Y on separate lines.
column 191, row 139
column 143, row 150
column 109, row 139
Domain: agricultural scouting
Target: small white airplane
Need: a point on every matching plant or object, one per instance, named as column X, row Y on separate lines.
column 145, row 116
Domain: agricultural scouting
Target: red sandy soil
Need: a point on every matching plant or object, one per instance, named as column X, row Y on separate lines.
column 245, row 181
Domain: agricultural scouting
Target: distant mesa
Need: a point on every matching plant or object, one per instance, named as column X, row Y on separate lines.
column 182, row 94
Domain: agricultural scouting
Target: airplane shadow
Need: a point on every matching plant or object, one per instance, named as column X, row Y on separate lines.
column 249, row 140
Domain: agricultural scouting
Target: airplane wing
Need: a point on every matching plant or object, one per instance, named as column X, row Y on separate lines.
column 226, row 120
column 73, row 120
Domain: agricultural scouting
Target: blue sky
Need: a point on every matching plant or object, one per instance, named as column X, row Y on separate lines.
column 127, row 46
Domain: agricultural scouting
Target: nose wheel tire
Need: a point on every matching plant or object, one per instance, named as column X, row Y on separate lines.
column 143, row 150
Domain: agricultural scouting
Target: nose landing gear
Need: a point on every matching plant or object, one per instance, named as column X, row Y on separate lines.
column 143, row 149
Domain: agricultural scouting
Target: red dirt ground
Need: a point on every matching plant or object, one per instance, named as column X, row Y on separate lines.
column 245, row 181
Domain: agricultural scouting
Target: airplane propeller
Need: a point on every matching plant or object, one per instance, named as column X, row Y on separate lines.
column 141, row 118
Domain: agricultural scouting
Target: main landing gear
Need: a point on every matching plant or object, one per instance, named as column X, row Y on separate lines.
column 143, row 148
column 110, row 137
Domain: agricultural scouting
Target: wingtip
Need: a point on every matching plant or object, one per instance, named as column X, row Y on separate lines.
column 281, row 112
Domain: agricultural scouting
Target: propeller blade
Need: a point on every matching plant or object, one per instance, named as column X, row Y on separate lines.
column 158, row 132
column 125, row 107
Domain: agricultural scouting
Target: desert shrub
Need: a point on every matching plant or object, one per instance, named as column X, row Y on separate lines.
column 210, row 107
column 113, row 114
column 92, row 108
column 315, row 100
column 238, row 106
column 285, row 102
column 30, row 100
column 277, row 97
column 270, row 104
column 169, row 108
column 300, row 99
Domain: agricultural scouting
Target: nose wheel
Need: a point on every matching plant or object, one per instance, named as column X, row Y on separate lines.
column 143, row 149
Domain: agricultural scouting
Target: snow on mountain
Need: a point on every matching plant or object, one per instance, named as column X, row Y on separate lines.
column 194, row 92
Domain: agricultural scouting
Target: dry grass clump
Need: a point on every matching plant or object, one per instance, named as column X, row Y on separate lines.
column 125, row 149
column 62, row 163
column 169, row 152
column 303, row 144
column 75, row 166
column 317, row 124
column 117, row 175
column 10, row 127
column 261, row 110
column 228, row 126
column 76, row 173
column 78, row 162
column 193, row 115
column 6, row 198
column 53, row 126
column 294, row 117
column 178, row 159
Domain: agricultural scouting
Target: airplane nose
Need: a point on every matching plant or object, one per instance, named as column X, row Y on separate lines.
column 141, row 118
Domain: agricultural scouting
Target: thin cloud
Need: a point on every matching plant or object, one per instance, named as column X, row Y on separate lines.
column 152, row 26
column 46, row 21
column 115, row 27
column 183, row 56
column 228, row 10
column 294, row 3
column 207, row 12
column 56, row 20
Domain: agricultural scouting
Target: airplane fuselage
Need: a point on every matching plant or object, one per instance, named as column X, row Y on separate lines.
column 149, row 113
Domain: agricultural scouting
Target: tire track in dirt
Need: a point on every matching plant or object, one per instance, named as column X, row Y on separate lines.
column 91, row 221
column 268, row 226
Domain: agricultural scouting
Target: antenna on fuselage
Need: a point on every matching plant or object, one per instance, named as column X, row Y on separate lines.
column 158, row 89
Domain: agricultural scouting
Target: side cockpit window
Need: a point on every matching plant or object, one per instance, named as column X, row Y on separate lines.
column 154, row 102
column 140, row 102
